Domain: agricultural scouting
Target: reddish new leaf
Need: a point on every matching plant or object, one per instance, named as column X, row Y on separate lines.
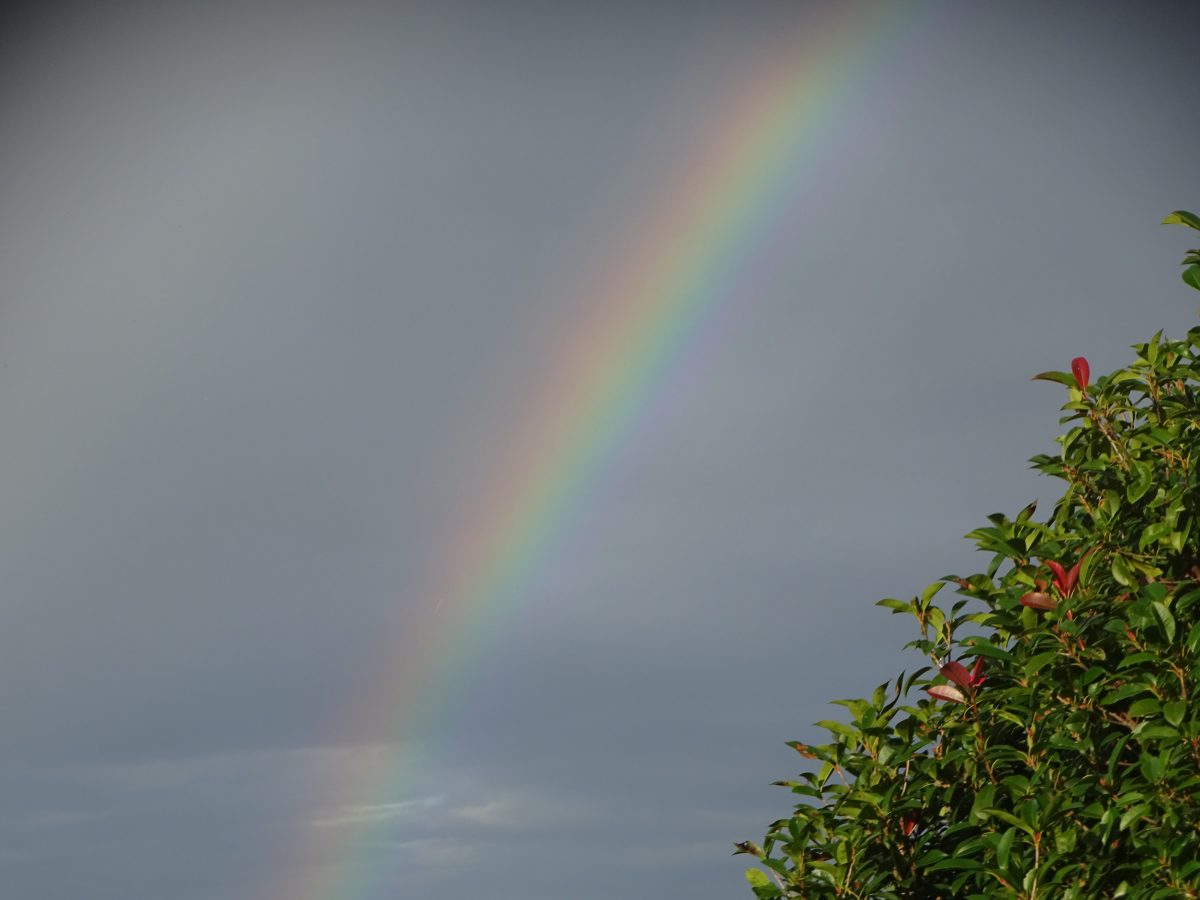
column 1060, row 575
column 1072, row 578
column 1081, row 371
column 1038, row 600
column 977, row 677
column 957, row 673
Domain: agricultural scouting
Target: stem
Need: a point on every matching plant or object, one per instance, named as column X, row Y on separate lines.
column 1106, row 429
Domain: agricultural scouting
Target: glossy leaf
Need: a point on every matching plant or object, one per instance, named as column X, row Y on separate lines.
column 1182, row 217
column 1165, row 620
column 1121, row 571
column 1038, row 600
column 957, row 673
column 946, row 692
column 1175, row 711
column 1064, row 378
column 1082, row 372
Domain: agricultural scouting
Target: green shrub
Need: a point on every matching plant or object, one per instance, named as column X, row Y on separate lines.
column 1052, row 746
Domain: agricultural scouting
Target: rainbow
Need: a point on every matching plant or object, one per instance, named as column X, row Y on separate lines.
column 739, row 202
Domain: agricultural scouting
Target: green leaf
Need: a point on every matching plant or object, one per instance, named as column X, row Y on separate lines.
column 1174, row 711
column 1183, row 217
column 985, row 797
column 879, row 696
column 757, row 878
column 1150, row 732
column 930, row 592
column 1037, row 663
column 1061, row 377
column 1121, row 571
column 839, row 728
column 1153, row 533
column 1132, row 814
column 1186, row 600
column 1191, row 276
column 1124, row 692
column 1134, row 659
column 1154, row 591
column 858, row 708
column 897, row 606
column 1143, row 478
column 1165, row 620
column 1010, row 819
column 1005, row 847
column 1148, row 706
column 1177, row 538
column 981, row 647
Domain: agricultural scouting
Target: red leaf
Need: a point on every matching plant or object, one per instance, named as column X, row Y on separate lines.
column 1079, row 368
column 957, row 673
column 1038, row 600
column 1073, row 578
column 977, row 672
column 946, row 692
column 1060, row 574
column 908, row 824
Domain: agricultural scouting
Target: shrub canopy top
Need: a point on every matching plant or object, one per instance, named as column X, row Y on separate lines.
column 1053, row 751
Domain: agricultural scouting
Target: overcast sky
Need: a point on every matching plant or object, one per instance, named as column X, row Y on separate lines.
column 279, row 282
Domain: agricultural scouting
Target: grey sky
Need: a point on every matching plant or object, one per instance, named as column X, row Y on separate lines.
column 279, row 281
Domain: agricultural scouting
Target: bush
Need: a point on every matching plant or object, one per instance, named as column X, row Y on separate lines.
column 1052, row 747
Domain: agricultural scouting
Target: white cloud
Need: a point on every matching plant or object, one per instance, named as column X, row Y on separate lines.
column 492, row 812
column 364, row 813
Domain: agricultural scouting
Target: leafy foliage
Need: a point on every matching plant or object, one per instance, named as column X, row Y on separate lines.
column 1052, row 746
column 1191, row 272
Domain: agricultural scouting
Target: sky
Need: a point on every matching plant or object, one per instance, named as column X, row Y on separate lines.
column 286, row 290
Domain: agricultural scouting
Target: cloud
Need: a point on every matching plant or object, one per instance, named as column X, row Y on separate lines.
column 358, row 814
column 493, row 812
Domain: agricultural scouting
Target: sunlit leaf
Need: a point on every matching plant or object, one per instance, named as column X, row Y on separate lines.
column 946, row 692
column 1182, row 217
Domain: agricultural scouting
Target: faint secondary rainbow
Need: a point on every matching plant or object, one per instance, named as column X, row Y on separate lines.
column 705, row 243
